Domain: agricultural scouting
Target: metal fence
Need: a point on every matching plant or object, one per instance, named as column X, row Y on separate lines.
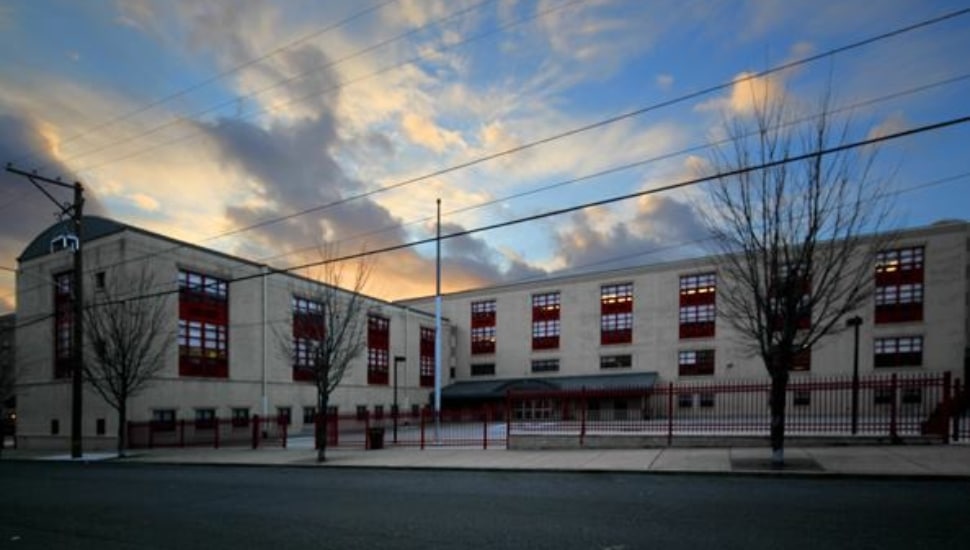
column 893, row 406
column 217, row 432
column 482, row 427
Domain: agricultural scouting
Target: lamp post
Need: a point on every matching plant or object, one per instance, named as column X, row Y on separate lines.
column 855, row 322
column 395, row 411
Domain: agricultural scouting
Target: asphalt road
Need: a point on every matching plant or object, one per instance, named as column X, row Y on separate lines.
column 115, row 506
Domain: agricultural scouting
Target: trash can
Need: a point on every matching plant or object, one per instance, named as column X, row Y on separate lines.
column 375, row 438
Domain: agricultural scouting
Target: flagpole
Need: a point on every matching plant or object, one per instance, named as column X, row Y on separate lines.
column 437, row 330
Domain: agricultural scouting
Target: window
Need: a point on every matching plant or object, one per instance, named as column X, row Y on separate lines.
column 899, row 285
column 697, row 305
column 205, row 419
column 545, row 320
column 695, row 362
column 378, row 412
column 378, row 342
column 616, row 314
column 284, row 416
column 309, row 415
column 63, row 324
column 900, row 351
column 685, row 400
column 790, row 294
column 240, row 417
column 203, row 325
column 163, row 420
column 483, row 340
column 706, row 400
column 99, row 280
column 483, row 369
column 100, row 426
column 802, row 398
column 545, row 365
column 361, row 412
column 900, row 260
column 55, row 426
column 483, row 320
column 616, row 361
column 309, row 332
column 801, row 361
column 426, row 359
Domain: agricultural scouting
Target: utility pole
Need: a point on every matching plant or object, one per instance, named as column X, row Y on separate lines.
column 76, row 211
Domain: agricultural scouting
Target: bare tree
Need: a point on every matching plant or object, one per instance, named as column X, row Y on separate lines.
column 797, row 241
column 128, row 333
column 328, row 330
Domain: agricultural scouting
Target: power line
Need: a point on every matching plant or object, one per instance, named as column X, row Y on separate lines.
column 643, row 162
column 216, row 77
column 627, row 196
column 598, row 124
column 234, row 101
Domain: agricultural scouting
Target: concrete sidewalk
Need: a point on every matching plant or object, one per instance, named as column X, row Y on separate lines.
column 886, row 460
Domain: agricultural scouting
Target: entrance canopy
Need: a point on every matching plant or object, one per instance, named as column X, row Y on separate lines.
column 494, row 390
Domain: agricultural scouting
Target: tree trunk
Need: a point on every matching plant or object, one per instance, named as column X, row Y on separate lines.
column 779, row 385
column 122, row 429
column 321, row 428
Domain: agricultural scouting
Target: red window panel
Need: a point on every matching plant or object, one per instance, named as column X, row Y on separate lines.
column 203, row 326
column 545, row 320
column 483, row 327
column 698, row 288
column 695, row 362
column 616, row 328
column 378, row 357
column 427, row 350
column 616, row 314
column 900, row 351
column 483, row 340
column 309, row 332
column 900, row 266
column 483, row 313
column 899, row 303
column 63, row 324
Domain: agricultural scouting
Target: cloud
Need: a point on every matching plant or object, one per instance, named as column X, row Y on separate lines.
column 424, row 132
column 665, row 81
column 662, row 228
column 748, row 93
column 145, row 202
column 24, row 211
column 893, row 123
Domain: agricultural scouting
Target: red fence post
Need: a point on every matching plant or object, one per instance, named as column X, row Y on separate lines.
column 286, row 426
column 485, row 429
column 151, row 435
column 367, row 431
column 182, row 433
column 582, row 423
column 946, row 407
column 892, row 409
column 956, row 417
column 215, row 428
column 255, row 431
column 423, row 415
column 670, row 413
column 508, row 417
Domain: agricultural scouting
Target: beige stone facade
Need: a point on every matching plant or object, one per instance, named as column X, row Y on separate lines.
column 657, row 344
column 260, row 376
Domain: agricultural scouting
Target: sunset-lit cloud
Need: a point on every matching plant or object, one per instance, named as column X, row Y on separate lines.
column 192, row 119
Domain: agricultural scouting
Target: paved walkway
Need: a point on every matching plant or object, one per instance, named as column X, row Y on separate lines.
column 884, row 460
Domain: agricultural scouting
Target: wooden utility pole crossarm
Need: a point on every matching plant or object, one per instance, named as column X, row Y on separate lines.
column 76, row 211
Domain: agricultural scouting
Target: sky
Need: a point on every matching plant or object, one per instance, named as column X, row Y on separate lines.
column 199, row 119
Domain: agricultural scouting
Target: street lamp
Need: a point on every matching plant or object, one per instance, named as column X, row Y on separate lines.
column 855, row 322
column 394, row 409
